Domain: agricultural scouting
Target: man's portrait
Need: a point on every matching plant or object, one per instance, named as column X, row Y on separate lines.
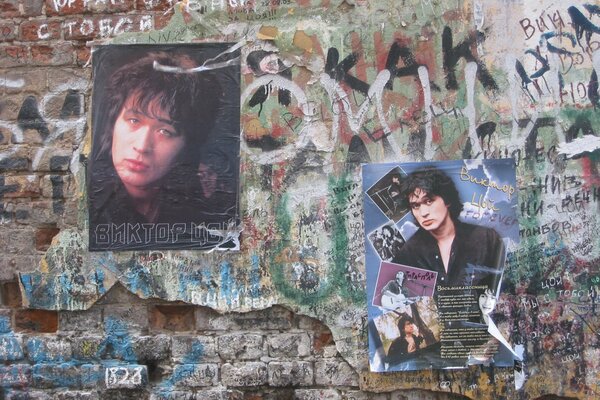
column 387, row 241
column 443, row 243
column 163, row 171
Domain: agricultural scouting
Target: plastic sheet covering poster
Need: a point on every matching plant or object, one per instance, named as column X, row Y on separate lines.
column 436, row 239
column 164, row 166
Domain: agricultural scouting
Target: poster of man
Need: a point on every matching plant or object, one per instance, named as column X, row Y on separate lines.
column 164, row 167
column 460, row 211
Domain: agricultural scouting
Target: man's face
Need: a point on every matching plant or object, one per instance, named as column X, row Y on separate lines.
column 430, row 211
column 399, row 278
column 409, row 328
column 145, row 145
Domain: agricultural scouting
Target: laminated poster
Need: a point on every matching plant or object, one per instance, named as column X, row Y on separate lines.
column 436, row 237
column 164, row 167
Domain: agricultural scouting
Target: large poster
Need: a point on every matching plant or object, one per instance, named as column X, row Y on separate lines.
column 164, row 166
column 436, row 239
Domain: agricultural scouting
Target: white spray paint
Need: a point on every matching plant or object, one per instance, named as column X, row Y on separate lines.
column 424, row 78
column 11, row 83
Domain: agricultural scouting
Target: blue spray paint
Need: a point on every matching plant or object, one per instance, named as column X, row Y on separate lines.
column 255, row 291
column 10, row 348
column 183, row 371
column 117, row 343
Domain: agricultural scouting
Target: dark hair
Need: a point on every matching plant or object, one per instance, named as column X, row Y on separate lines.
column 435, row 183
column 389, row 228
column 402, row 322
column 188, row 99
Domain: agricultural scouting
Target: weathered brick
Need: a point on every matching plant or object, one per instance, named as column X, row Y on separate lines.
column 87, row 347
column 295, row 373
column 48, row 160
column 20, row 161
column 22, row 186
column 11, row 348
column 92, row 376
column 32, row 8
column 196, row 375
column 34, row 30
column 240, row 346
column 14, row 55
column 51, row 375
column 5, row 321
column 48, row 349
column 27, row 80
column 82, row 55
column 8, row 31
column 335, row 373
column 103, row 6
column 152, row 348
column 42, row 321
column 244, row 374
column 317, row 394
column 272, row 318
column 126, row 376
column 28, row 395
column 44, row 236
column 10, row 106
column 11, row 295
column 87, row 28
column 76, row 395
column 80, row 321
column 118, row 294
column 18, row 241
column 38, row 210
column 57, row 54
column 209, row 394
column 172, row 318
column 193, row 349
column 289, row 345
column 64, row 7
column 136, row 316
column 154, row 5
column 18, row 375
column 9, row 265
column 9, row 8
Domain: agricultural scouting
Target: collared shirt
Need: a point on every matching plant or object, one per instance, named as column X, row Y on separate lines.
column 473, row 244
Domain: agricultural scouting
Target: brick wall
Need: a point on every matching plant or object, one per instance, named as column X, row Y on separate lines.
column 127, row 348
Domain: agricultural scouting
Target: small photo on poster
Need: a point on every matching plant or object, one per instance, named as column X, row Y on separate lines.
column 386, row 194
column 387, row 241
column 402, row 285
column 411, row 331
column 163, row 172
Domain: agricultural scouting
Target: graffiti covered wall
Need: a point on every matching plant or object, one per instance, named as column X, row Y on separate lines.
column 326, row 86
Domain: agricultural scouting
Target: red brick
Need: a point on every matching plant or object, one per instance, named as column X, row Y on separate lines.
column 172, row 318
column 161, row 20
column 39, row 30
column 9, row 8
column 64, row 7
column 154, row 5
column 7, row 31
column 32, row 8
column 13, row 55
column 44, row 236
column 82, row 55
column 105, row 26
column 56, row 54
column 11, row 295
column 36, row 321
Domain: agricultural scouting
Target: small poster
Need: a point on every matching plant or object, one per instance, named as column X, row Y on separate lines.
column 436, row 237
column 164, row 167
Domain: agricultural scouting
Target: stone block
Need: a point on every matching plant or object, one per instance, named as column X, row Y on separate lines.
column 172, row 318
column 14, row 55
column 32, row 8
column 80, row 321
column 244, row 374
column 76, row 395
column 196, row 375
column 317, row 394
column 28, row 395
column 126, row 376
column 295, row 373
column 240, row 346
column 152, row 348
column 57, row 54
column 8, row 31
column 10, row 264
column 42, row 321
column 208, row 394
column 92, row 376
column 11, row 348
column 86, row 348
column 17, row 375
column 48, row 349
column 118, row 294
column 193, row 349
column 287, row 345
column 56, row 375
column 335, row 373
column 43, row 29
column 30, row 80
column 136, row 316
column 21, row 186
